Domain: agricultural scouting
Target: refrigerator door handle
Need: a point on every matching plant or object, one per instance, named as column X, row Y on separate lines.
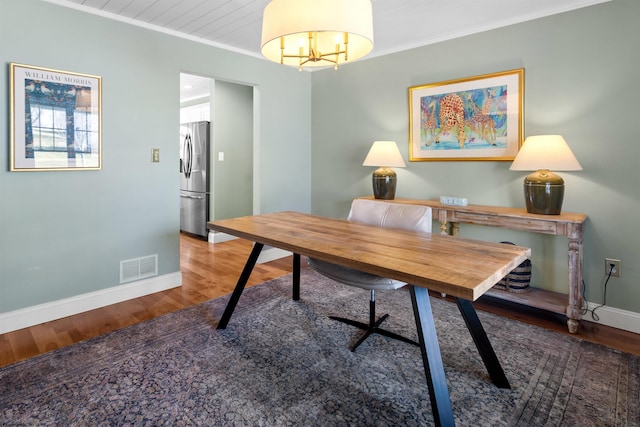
column 187, row 156
column 191, row 197
column 183, row 160
column 190, row 155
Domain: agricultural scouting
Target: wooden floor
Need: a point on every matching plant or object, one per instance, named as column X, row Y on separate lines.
column 209, row 271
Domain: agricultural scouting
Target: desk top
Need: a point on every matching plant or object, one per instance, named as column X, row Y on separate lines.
column 457, row 266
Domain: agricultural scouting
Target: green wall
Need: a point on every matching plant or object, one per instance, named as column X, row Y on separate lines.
column 233, row 135
column 64, row 234
column 581, row 81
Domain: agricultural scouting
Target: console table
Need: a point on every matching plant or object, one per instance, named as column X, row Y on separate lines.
column 570, row 225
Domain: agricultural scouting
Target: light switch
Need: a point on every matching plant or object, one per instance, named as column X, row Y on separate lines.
column 221, row 156
column 155, row 155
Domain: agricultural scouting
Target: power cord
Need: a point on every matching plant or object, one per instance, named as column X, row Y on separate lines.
column 585, row 310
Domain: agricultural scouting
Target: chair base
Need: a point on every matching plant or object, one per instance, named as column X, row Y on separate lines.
column 372, row 328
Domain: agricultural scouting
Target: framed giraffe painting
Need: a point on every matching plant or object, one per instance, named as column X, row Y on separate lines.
column 474, row 118
column 55, row 120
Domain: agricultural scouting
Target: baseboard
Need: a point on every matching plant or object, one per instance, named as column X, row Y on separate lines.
column 218, row 237
column 614, row 317
column 271, row 254
column 267, row 254
column 34, row 315
column 37, row 314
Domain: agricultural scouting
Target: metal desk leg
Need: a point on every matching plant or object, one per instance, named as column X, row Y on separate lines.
column 242, row 282
column 431, row 358
column 482, row 343
column 296, row 277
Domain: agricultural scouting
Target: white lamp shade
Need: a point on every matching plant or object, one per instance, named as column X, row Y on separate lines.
column 545, row 152
column 294, row 19
column 384, row 153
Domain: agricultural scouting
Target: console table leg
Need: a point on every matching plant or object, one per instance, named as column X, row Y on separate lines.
column 455, row 228
column 450, row 228
column 443, row 227
column 573, row 325
column 574, row 309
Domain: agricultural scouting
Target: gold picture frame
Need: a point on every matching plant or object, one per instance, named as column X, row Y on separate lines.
column 56, row 122
column 474, row 118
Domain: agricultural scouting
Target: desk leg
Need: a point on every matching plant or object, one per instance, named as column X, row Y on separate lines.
column 242, row 282
column 296, row 277
column 483, row 345
column 431, row 358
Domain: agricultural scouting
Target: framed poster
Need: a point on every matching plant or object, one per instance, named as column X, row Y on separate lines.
column 55, row 120
column 475, row 118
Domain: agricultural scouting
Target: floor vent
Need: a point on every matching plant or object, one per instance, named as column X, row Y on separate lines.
column 138, row 268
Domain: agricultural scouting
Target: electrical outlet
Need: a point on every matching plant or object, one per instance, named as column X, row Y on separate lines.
column 613, row 266
column 155, row 155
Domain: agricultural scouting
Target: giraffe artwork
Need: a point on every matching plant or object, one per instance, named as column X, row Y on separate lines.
column 487, row 129
column 473, row 118
column 428, row 122
column 480, row 122
column 452, row 115
column 486, row 108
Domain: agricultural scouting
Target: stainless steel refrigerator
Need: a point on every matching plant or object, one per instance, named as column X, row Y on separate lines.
column 194, row 177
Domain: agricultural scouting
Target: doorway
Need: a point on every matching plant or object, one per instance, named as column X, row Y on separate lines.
column 230, row 109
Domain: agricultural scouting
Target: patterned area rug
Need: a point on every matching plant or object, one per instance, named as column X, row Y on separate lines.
column 282, row 363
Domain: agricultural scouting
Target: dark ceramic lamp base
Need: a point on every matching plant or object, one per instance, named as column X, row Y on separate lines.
column 384, row 184
column 543, row 193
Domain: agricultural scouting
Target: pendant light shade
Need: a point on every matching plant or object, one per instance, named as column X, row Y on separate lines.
column 315, row 33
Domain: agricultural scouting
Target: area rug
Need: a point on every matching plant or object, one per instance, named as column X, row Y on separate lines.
column 285, row 363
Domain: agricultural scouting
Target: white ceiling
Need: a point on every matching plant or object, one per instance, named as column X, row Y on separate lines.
column 397, row 24
column 194, row 87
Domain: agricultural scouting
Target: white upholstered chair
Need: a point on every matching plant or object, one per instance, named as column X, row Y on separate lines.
column 380, row 214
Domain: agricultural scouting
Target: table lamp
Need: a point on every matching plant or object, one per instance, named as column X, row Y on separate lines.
column 544, row 190
column 384, row 154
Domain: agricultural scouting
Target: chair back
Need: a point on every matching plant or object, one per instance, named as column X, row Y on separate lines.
column 380, row 214
column 391, row 215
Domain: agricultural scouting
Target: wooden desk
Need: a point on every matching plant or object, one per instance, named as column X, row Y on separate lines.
column 462, row 268
column 570, row 225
